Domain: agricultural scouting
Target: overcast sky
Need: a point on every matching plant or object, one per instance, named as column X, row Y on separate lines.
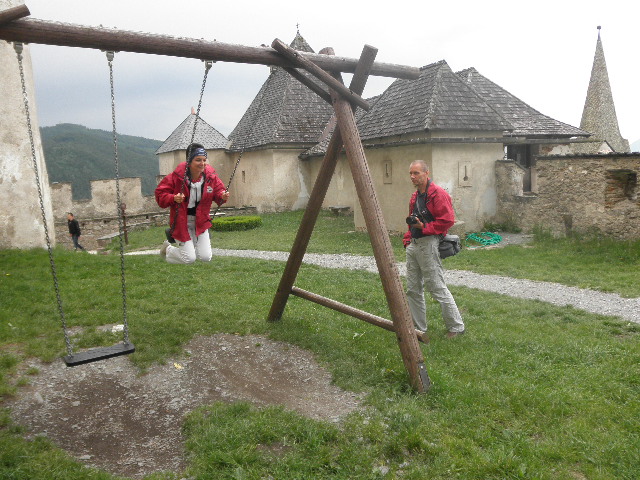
column 542, row 52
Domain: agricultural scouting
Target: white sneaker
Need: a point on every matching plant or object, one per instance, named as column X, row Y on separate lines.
column 163, row 249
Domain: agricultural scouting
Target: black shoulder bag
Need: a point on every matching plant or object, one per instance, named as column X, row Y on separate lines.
column 449, row 245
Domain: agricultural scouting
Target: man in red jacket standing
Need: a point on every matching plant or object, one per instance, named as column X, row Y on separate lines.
column 430, row 216
column 189, row 190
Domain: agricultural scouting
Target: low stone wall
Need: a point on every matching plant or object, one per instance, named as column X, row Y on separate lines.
column 95, row 229
column 583, row 194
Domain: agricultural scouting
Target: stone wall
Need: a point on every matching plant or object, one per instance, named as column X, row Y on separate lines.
column 103, row 201
column 98, row 215
column 98, row 232
column 582, row 194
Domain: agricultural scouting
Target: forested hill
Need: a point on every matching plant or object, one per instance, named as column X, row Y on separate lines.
column 78, row 155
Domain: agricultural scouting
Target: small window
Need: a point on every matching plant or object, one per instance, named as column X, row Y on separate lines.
column 464, row 174
column 388, row 173
column 620, row 185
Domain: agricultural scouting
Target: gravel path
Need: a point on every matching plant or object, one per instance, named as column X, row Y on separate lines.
column 589, row 300
column 555, row 293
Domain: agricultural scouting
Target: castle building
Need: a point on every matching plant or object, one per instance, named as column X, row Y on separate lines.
column 460, row 123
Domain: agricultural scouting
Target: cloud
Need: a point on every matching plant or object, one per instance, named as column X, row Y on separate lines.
column 541, row 52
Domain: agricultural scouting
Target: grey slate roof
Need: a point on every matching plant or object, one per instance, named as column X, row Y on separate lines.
column 325, row 138
column 283, row 112
column 437, row 100
column 526, row 120
column 205, row 135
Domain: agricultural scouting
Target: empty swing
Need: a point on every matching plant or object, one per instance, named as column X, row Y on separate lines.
column 100, row 353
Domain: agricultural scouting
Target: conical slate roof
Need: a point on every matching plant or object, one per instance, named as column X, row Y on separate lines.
column 437, row 100
column 526, row 120
column 205, row 135
column 283, row 112
column 599, row 113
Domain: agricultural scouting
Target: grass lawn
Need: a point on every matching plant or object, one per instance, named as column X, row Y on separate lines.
column 533, row 391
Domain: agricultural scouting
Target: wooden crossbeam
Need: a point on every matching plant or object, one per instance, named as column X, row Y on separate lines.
column 353, row 312
column 31, row 30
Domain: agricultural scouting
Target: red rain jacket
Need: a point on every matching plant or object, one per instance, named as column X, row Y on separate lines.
column 171, row 185
column 439, row 204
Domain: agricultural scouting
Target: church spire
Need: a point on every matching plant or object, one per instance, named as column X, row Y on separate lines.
column 599, row 113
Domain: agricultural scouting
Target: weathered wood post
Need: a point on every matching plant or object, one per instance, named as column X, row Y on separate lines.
column 320, row 187
column 385, row 259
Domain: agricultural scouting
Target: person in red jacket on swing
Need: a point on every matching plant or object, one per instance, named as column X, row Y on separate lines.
column 190, row 190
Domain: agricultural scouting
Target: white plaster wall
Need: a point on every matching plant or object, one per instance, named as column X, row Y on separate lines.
column 272, row 180
column 21, row 224
column 341, row 191
column 465, row 170
column 389, row 168
column 287, row 181
column 253, row 182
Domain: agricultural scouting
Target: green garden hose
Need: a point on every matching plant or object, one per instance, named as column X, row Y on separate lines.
column 483, row 238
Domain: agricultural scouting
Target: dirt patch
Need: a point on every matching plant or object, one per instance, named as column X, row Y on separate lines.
column 108, row 416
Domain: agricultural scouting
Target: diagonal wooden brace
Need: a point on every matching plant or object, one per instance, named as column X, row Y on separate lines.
column 309, row 84
column 11, row 14
column 294, row 57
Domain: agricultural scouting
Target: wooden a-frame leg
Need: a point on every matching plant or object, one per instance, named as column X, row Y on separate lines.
column 385, row 259
column 318, row 193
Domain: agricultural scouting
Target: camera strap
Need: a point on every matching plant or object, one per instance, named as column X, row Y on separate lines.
column 420, row 209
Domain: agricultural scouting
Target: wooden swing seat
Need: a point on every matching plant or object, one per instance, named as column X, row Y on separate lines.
column 100, row 353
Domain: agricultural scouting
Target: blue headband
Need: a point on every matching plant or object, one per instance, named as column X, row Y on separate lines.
column 198, row 152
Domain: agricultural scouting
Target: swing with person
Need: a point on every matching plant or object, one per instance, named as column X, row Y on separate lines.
column 344, row 101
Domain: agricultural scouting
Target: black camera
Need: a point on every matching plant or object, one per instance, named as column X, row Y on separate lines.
column 412, row 220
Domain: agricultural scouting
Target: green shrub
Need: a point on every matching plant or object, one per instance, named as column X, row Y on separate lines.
column 230, row 224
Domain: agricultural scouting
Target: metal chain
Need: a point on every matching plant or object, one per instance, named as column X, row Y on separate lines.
column 18, row 48
column 110, row 56
column 207, row 67
column 233, row 173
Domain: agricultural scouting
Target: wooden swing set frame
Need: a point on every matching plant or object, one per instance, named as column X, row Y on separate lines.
column 325, row 66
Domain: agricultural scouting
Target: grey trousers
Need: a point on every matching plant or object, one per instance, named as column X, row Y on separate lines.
column 424, row 270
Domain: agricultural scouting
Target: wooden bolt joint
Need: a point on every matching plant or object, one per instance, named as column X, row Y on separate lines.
column 299, row 61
